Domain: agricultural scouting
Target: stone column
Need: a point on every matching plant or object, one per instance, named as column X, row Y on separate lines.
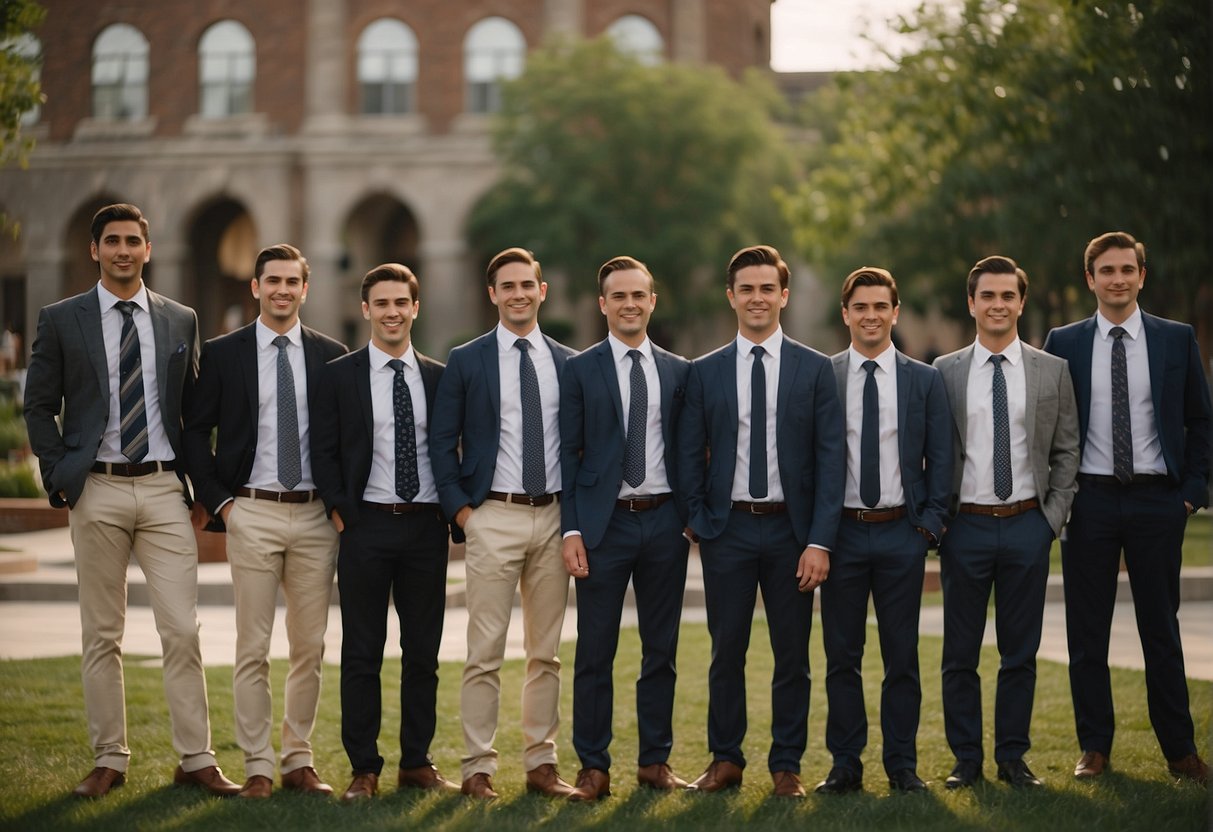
column 690, row 31
column 325, row 72
column 565, row 18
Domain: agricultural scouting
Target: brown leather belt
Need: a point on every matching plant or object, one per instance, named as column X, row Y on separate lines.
column 1007, row 510
column 643, row 503
column 875, row 515
column 1138, row 479
column 133, row 469
column 401, row 508
column 524, row 499
column 278, row 496
column 759, row 508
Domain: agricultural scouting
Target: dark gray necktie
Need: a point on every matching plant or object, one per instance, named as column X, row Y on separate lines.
column 758, row 426
column 638, row 408
column 1002, row 433
column 534, row 468
column 131, row 403
column 290, row 466
column 869, row 440
column 407, row 481
column 1122, row 422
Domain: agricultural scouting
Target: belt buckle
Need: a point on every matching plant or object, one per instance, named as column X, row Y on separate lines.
column 632, row 501
column 862, row 515
column 1002, row 512
column 756, row 510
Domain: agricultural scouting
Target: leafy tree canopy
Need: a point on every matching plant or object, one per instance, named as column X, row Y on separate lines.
column 19, row 88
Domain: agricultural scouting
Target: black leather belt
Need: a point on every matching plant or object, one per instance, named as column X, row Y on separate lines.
column 133, row 469
column 1138, row 479
column 1007, row 510
column 875, row 515
column 643, row 503
column 524, row 499
column 759, row 508
column 401, row 508
column 277, row 496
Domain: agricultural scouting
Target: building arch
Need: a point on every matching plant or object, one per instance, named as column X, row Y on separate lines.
column 379, row 227
column 221, row 249
column 80, row 271
column 636, row 35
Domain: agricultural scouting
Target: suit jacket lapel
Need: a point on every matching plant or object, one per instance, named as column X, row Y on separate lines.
column 492, row 370
column 362, row 382
column 1031, row 372
column 248, row 366
column 88, row 314
column 163, row 341
column 604, row 357
column 727, row 368
column 905, row 381
column 1156, row 349
column 665, row 377
column 841, row 363
column 956, row 379
column 789, row 364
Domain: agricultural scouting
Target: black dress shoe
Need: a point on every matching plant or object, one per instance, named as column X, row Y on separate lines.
column 965, row 774
column 1017, row 773
column 906, row 780
column 840, row 781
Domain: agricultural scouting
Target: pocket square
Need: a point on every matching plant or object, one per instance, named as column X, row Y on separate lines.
column 180, row 348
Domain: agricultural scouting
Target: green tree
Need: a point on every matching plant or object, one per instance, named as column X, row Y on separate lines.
column 602, row 155
column 19, row 88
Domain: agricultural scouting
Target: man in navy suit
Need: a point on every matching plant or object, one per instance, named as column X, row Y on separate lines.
column 495, row 449
column 622, row 519
column 763, row 466
column 372, row 467
column 1143, row 405
column 258, row 386
column 899, row 477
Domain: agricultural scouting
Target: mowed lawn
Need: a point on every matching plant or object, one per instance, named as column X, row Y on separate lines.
column 44, row 748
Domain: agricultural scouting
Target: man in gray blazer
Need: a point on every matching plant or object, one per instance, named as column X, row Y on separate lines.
column 116, row 360
column 1016, row 458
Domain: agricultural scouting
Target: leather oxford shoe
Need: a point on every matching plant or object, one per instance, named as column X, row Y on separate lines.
column 1191, row 767
column 307, row 781
column 1091, row 764
column 1017, row 773
column 720, row 775
column 787, row 784
column 592, row 784
column 257, row 787
column 479, row 786
column 906, row 780
column 210, row 779
column 659, row 776
column 964, row 775
column 545, row 780
column 424, row 777
column 362, row 787
column 99, row 782
column 840, row 781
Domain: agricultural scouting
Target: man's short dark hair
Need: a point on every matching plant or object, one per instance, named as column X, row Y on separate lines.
column 621, row 264
column 997, row 264
column 511, row 255
column 762, row 255
column 1112, row 239
column 280, row 251
column 390, row 271
column 119, row 212
column 868, row 276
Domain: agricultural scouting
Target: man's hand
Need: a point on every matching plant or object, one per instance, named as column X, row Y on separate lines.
column 461, row 516
column 199, row 516
column 575, row 560
column 225, row 510
column 690, row 535
column 813, row 568
column 338, row 523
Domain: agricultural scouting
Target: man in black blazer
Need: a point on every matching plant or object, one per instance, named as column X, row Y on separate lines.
column 1143, row 408
column 372, row 469
column 115, row 361
column 899, row 478
column 763, row 466
column 258, row 387
column 622, row 520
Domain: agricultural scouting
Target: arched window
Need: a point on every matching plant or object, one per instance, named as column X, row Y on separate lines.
column 387, row 68
column 28, row 48
column 227, row 65
column 120, row 74
column 493, row 50
column 637, row 36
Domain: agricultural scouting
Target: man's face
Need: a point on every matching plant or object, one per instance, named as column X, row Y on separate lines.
column 281, row 291
column 996, row 305
column 757, row 299
column 1116, row 279
column 628, row 302
column 517, row 293
column 870, row 315
column 121, row 253
column 391, row 310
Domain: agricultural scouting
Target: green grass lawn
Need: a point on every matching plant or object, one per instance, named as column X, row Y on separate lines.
column 44, row 748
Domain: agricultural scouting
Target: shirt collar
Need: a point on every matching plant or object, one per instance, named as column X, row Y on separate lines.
column 379, row 358
column 108, row 298
column 620, row 350
column 773, row 344
column 1013, row 353
column 1132, row 324
column 886, row 361
column 266, row 336
column 507, row 339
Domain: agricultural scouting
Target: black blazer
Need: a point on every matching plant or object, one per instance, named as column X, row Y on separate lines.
column 225, row 397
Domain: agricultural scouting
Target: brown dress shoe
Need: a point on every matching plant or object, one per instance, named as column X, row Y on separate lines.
column 1090, row 764
column 362, row 787
column 545, row 780
column 659, row 776
column 592, row 784
column 257, row 787
column 99, row 782
column 787, row 784
column 306, row 780
column 424, row 777
column 1190, row 768
column 721, row 774
column 479, row 786
column 210, row 778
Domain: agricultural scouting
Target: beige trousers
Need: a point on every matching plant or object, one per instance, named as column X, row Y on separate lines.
column 509, row 545
column 114, row 518
column 292, row 546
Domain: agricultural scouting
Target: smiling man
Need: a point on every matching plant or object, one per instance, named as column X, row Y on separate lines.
column 258, row 387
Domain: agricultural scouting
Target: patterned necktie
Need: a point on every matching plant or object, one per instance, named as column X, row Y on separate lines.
column 758, row 426
column 132, row 407
column 638, row 407
column 1002, row 433
column 290, row 466
column 534, row 468
column 1122, row 422
column 869, row 440
column 407, row 482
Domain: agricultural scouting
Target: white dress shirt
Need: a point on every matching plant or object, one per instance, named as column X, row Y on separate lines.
column 381, row 484
column 508, row 475
column 977, row 482
column 265, row 464
column 655, row 479
column 745, row 368
column 891, row 491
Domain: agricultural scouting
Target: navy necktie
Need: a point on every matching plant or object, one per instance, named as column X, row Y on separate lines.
column 1122, row 423
column 407, row 482
column 290, row 465
column 534, row 468
column 638, row 407
column 869, row 440
column 758, row 426
column 131, row 403
column 1002, row 433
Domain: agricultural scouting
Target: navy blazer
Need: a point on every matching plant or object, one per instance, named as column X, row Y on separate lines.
column 1178, row 388
column 924, row 440
column 809, row 431
column 465, row 428
column 593, row 428
column 225, row 397
column 343, row 429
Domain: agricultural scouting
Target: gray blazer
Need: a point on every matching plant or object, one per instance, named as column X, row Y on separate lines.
column 68, row 372
column 1052, row 426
